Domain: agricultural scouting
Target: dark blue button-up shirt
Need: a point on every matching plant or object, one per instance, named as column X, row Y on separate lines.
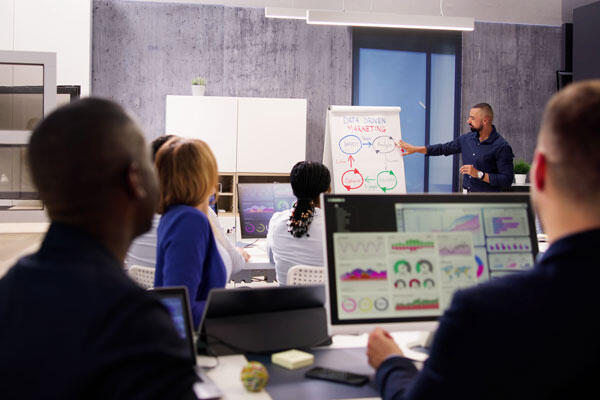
column 494, row 156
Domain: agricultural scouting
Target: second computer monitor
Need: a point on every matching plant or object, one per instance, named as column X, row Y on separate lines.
column 400, row 258
column 257, row 204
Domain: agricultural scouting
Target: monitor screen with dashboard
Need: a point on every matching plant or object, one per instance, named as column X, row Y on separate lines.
column 257, row 204
column 398, row 259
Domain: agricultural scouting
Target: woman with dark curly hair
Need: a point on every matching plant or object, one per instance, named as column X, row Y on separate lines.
column 295, row 236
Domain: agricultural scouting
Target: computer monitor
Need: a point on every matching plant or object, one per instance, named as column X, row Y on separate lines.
column 396, row 260
column 258, row 202
column 176, row 300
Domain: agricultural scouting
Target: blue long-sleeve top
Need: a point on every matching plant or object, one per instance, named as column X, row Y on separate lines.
column 494, row 156
column 187, row 254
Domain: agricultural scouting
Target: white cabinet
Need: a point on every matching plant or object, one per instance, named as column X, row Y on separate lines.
column 212, row 119
column 247, row 135
column 271, row 134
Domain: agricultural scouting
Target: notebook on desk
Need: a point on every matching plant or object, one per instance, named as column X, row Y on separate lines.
column 176, row 300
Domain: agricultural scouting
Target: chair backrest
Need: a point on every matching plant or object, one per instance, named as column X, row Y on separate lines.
column 143, row 276
column 305, row 275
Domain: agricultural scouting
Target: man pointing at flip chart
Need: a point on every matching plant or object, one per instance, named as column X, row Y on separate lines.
column 487, row 156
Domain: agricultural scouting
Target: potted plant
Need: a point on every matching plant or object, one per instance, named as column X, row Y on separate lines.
column 198, row 86
column 521, row 170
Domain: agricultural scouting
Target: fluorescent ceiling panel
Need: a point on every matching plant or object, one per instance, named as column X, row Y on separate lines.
column 389, row 20
column 288, row 13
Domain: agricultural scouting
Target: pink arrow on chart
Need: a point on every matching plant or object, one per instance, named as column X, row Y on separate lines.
column 350, row 159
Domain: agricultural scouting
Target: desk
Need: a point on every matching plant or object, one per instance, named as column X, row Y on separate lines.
column 346, row 353
column 257, row 265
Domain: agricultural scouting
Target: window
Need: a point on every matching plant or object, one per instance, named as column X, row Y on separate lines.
column 420, row 72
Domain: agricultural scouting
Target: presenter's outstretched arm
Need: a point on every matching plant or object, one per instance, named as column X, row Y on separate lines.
column 407, row 148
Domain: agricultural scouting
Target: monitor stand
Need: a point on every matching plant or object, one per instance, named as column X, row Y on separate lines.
column 423, row 343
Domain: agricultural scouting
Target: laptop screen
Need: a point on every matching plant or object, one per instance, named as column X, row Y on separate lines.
column 400, row 258
column 175, row 299
column 258, row 203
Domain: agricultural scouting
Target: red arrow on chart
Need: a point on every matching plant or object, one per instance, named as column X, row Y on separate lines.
column 350, row 159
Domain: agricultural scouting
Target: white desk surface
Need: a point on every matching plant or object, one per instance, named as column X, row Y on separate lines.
column 257, row 250
column 226, row 374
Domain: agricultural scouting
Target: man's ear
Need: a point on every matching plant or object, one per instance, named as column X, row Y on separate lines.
column 539, row 171
column 135, row 181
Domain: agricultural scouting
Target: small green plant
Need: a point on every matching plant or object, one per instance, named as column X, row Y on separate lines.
column 199, row 81
column 522, row 167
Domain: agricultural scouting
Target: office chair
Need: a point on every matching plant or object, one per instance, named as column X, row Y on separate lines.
column 143, row 276
column 305, row 275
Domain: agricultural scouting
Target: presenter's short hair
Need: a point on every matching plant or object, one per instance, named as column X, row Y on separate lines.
column 486, row 108
column 187, row 173
column 572, row 125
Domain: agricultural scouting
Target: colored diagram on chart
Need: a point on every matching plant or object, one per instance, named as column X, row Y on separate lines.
column 361, row 275
column 506, row 222
column 348, row 246
column 429, row 219
column 509, row 244
column 455, row 245
column 414, row 283
column 411, row 244
column 364, row 154
column 364, row 304
column 418, row 304
column 511, row 261
column 255, row 228
column 481, row 264
column 459, row 272
column 469, row 222
column 402, row 267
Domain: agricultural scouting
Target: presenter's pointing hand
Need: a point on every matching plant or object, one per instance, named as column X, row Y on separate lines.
column 469, row 170
column 406, row 148
column 381, row 346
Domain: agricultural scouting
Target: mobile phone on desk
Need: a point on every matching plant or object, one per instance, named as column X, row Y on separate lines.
column 334, row 375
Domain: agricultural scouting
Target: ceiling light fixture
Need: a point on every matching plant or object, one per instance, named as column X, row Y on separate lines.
column 389, row 20
column 288, row 13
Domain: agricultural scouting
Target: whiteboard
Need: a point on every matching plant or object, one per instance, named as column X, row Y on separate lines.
column 212, row 119
column 360, row 150
column 271, row 134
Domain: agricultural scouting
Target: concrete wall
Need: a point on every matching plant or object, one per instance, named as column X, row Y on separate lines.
column 513, row 68
column 142, row 52
column 536, row 12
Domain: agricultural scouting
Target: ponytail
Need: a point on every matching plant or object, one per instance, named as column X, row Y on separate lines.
column 309, row 179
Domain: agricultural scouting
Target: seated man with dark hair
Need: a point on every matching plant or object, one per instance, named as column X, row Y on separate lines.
column 74, row 326
column 531, row 335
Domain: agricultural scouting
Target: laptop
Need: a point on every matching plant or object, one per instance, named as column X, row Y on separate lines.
column 176, row 300
column 263, row 320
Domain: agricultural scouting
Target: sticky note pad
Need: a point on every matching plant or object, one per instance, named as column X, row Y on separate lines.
column 292, row 359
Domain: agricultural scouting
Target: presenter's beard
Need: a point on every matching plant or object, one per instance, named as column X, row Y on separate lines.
column 473, row 129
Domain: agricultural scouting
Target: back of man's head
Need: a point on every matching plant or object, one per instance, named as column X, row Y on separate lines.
column 570, row 138
column 80, row 156
column 486, row 110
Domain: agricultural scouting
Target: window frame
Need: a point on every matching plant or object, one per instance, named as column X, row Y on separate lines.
column 425, row 41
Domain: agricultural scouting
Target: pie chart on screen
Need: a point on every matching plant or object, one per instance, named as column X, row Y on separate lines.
column 479, row 266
